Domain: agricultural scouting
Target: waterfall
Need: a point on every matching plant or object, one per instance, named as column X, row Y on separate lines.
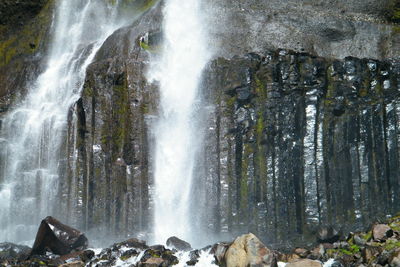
column 33, row 132
column 176, row 132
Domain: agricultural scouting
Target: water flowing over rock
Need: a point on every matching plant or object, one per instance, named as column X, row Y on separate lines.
column 34, row 152
column 292, row 139
column 177, row 140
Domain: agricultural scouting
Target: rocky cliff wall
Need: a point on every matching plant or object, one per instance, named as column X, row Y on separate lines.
column 108, row 139
column 294, row 141
column 297, row 141
column 334, row 29
column 294, row 138
column 24, row 34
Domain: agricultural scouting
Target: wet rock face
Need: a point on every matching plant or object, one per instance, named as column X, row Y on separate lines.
column 24, row 33
column 314, row 141
column 109, row 130
column 16, row 13
column 335, row 29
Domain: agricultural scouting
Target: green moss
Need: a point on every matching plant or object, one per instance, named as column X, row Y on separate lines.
column 395, row 226
column 391, row 244
column 260, row 128
column 127, row 257
column 244, row 190
column 88, row 91
column 396, row 14
column 28, row 40
column 120, row 114
column 367, row 236
column 7, row 51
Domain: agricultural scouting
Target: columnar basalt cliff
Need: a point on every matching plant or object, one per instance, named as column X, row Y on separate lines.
column 295, row 141
column 108, row 144
column 298, row 134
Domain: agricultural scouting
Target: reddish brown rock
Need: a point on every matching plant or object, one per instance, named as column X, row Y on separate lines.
column 302, row 252
column 58, row 238
column 304, row 263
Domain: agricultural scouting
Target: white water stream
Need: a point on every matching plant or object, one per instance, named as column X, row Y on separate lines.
column 176, row 132
column 34, row 131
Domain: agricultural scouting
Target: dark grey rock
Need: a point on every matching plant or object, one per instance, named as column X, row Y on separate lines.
column 9, row 251
column 178, row 243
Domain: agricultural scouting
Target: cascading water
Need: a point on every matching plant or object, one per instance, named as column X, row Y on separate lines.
column 177, row 137
column 34, row 131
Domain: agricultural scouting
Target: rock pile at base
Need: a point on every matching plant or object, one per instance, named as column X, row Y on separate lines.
column 378, row 247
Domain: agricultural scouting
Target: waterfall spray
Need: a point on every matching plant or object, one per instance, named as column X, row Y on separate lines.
column 176, row 131
column 33, row 132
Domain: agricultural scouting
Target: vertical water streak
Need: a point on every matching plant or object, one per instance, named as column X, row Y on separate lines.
column 176, row 131
column 34, row 130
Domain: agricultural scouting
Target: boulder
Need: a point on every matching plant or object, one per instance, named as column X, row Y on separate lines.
column 194, row 256
column 87, row 255
column 358, row 240
column 369, row 253
column 58, row 238
column 219, row 250
column 381, row 232
column 73, row 264
column 248, row 250
column 317, row 253
column 10, row 251
column 302, row 252
column 395, row 259
column 327, row 234
column 288, row 257
column 179, row 244
column 131, row 243
column 304, row 263
column 153, row 262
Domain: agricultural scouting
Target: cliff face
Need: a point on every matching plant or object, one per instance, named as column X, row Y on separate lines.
column 295, row 141
column 109, row 131
column 294, row 138
column 336, row 28
column 24, row 33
